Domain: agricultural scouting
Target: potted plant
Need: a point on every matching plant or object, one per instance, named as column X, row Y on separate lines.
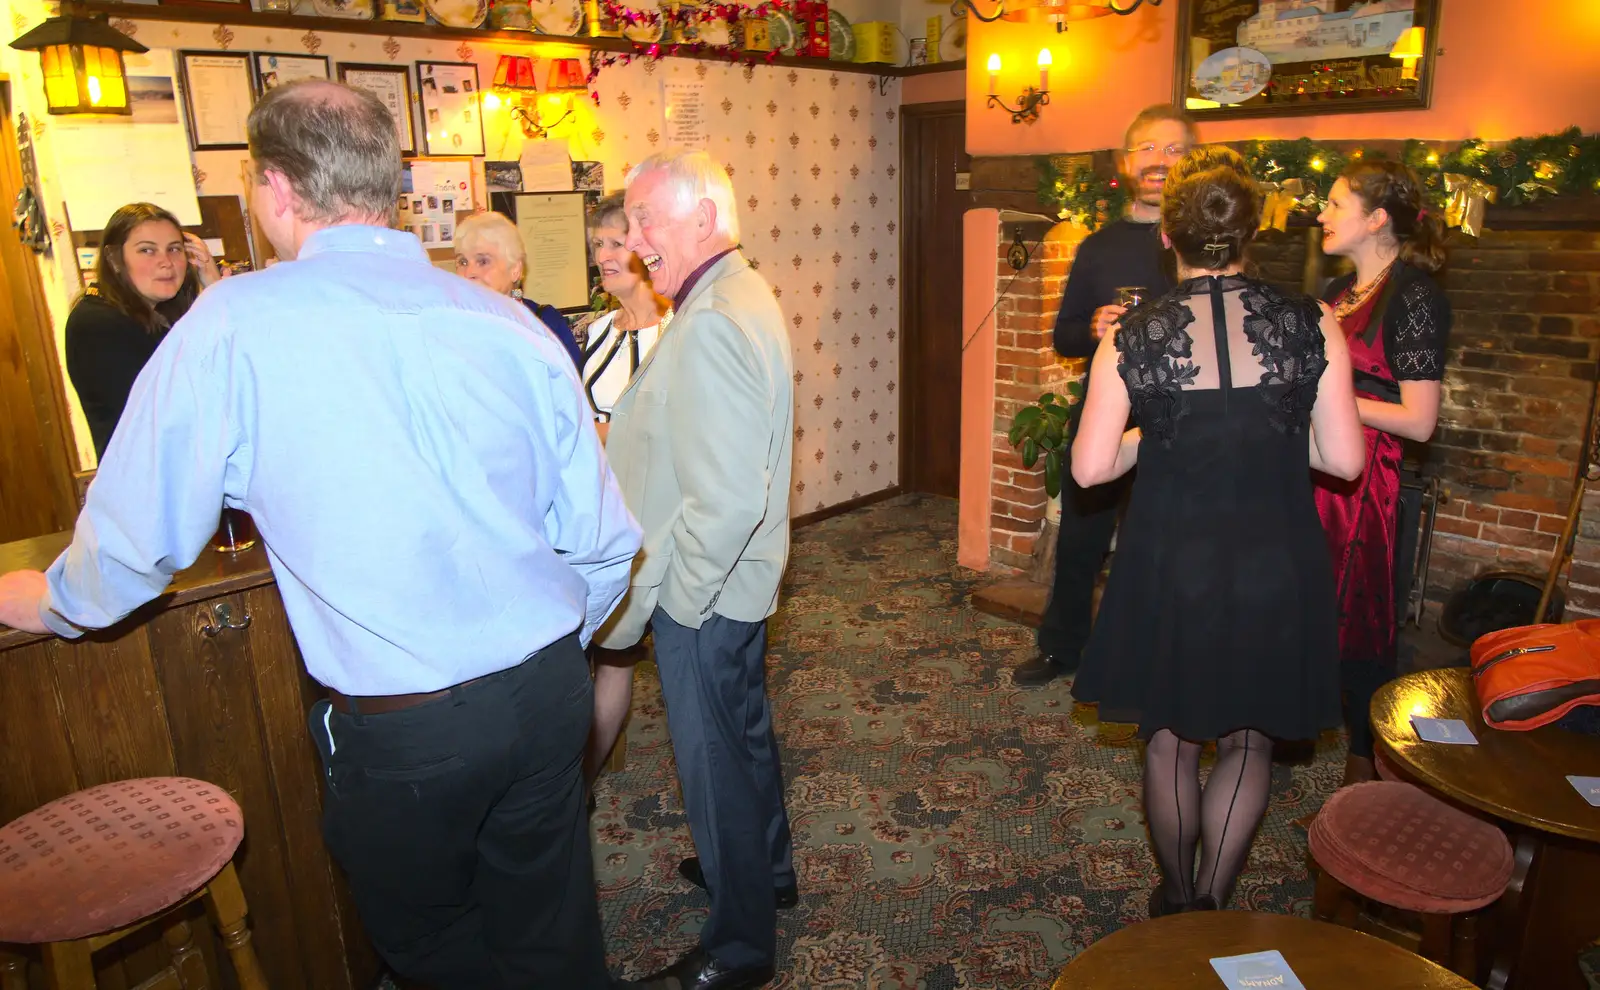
column 1046, row 429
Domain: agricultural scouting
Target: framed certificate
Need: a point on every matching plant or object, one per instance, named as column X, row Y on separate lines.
column 392, row 85
column 217, row 97
column 273, row 69
column 452, row 120
column 551, row 225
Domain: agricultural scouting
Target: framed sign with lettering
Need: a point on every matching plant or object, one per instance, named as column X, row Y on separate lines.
column 1277, row 58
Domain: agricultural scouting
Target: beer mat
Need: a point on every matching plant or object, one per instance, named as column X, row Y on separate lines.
column 1256, row 971
column 1589, row 787
column 1443, row 730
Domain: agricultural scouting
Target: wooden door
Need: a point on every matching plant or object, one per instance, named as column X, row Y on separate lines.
column 933, row 152
column 36, row 463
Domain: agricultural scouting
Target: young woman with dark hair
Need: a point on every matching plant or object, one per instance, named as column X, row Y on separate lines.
column 1396, row 321
column 148, row 274
column 1218, row 620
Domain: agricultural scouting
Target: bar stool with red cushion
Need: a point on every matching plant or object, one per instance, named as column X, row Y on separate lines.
column 89, row 869
column 1393, row 844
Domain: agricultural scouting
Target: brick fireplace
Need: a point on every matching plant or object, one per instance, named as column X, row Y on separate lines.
column 1519, row 387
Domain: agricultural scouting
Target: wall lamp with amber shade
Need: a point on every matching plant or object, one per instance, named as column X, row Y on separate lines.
column 1027, row 109
column 514, row 83
column 1408, row 49
column 81, row 58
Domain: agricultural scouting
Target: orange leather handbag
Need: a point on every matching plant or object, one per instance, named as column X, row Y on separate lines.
column 1530, row 676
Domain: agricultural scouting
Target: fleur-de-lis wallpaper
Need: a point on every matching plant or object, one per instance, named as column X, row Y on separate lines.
column 813, row 155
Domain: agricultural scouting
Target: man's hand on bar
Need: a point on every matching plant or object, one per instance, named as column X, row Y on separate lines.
column 20, row 595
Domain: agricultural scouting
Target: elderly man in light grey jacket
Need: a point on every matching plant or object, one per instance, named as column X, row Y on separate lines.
column 701, row 443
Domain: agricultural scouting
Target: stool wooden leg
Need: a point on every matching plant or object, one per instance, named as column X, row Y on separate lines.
column 225, row 900
column 13, row 970
column 1329, row 898
column 187, row 962
column 67, row 966
column 1464, row 947
column 1437, row 936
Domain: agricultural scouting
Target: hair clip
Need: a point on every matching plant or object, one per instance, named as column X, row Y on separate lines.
column 1219, row 248
column 1422, row 214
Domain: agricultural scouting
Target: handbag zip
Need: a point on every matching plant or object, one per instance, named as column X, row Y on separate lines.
column 1514, row 652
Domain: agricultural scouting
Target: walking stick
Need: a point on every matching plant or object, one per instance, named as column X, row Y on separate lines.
column 1588, row 469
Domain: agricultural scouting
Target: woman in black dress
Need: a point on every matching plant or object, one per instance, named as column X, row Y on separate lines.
column 148, row 274
column 1218, row 621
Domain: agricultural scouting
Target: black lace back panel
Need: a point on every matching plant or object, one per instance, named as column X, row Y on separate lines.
column 1220, row 612
column 1221, row 334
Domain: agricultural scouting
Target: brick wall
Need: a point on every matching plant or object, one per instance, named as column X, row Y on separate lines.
column 1518, row 388
column 1026, row 365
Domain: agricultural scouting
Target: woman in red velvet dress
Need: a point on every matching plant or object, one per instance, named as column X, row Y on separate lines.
column 1396, row 321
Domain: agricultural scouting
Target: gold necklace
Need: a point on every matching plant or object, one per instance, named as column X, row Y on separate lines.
column 1356, row 297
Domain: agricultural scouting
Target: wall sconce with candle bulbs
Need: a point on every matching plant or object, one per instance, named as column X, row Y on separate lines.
column 514, row 84
column 1027, row 109
column 81, row 59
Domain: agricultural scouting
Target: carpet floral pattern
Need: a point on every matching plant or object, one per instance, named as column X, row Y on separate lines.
column 951, row 830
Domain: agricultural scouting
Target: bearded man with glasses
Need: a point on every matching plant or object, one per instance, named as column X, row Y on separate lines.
column 1125, row 254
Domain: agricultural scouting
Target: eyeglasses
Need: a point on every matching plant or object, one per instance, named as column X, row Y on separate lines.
column 1170, row 151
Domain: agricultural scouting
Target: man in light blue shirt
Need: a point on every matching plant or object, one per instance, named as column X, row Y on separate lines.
column 421, row 462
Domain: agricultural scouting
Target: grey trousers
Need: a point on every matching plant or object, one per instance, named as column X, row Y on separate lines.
column 714, row 682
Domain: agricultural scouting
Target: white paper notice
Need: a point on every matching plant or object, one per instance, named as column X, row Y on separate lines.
column 149, row 149
column 437, row 192
column 684, row 101
column 558, row 263
column 219, row 89
column 546, row 166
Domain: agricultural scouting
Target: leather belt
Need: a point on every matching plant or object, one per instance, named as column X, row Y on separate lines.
column 382, row 704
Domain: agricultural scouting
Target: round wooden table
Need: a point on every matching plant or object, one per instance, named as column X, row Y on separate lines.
column 1551, row 909
column 1174, row 953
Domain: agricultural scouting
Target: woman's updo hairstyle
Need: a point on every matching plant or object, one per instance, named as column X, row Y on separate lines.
column 1210, row 213
column 1394, row 188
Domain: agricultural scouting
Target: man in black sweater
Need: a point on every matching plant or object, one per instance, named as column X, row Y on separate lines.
column 1125, row 253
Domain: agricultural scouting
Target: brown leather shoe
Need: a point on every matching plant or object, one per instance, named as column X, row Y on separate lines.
column 1042, row 669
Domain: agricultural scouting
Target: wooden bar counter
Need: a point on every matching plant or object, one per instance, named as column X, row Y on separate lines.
column 204, row 682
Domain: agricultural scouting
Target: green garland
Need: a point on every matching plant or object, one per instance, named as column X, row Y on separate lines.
column 1520, row 171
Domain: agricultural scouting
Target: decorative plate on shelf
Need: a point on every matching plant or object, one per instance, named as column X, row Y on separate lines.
column 458, row 13
column 953, row 42
column 561, row 17
column 360, row 10
column 841, row 40
column 644, row 31
column 782, row 31
column 713, row 30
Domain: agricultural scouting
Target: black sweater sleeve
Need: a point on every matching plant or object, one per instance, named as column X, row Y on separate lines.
column 1078, row 304
column 106, row 350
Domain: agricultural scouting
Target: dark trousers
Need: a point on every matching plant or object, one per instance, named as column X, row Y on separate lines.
column 461, row 825
column 714, row 682
column 1088, row 521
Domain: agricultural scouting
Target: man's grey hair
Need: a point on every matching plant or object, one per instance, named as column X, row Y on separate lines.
column 693, row 176
column 335, row 144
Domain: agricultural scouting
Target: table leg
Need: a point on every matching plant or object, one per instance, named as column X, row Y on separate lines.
column 1513, row 911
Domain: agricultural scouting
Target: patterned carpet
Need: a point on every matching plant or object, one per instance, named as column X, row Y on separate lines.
column 950, row 829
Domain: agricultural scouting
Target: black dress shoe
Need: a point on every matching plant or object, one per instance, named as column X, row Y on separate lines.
column 1042, row 669
column 699, row 971
column 787, row 895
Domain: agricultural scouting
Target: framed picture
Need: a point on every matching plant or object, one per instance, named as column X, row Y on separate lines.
column 392, row 85
column 273, row 69
column 452, row 120
column 218, row 92
column 1278, row 58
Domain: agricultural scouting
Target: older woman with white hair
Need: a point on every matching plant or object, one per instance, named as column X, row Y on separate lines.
column 489, row 251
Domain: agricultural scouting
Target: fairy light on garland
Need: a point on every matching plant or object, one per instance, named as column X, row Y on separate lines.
column 1461, row 181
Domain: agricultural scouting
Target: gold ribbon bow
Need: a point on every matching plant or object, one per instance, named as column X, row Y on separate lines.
column 1465, row 201
column 1278, row 200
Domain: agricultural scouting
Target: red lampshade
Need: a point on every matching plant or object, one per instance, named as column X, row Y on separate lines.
column 514, row 72
column 567, row 74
